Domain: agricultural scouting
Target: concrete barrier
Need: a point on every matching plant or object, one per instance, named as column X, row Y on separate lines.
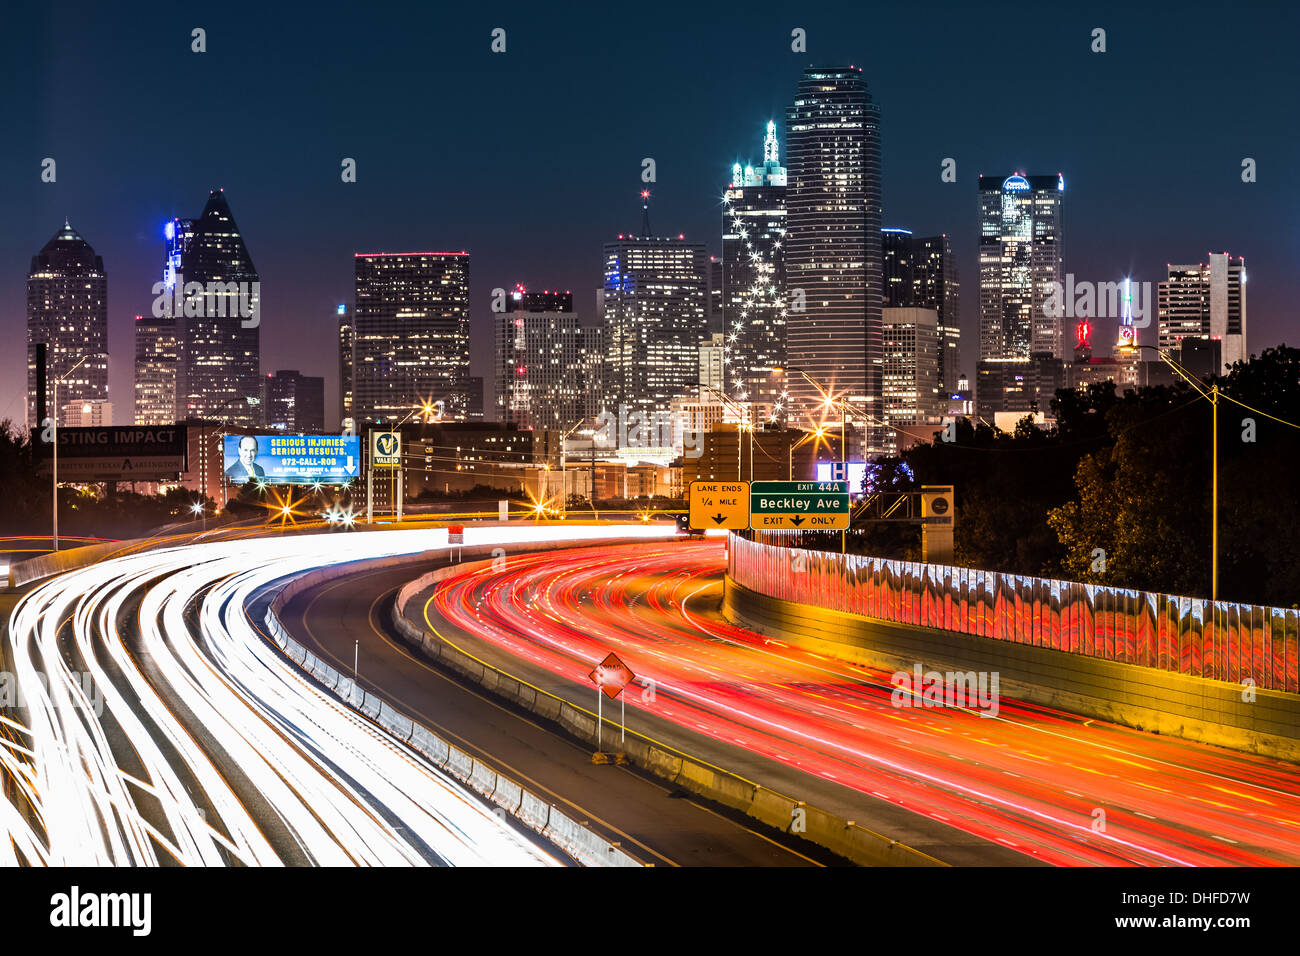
column 56, row 562
column 841, row 836
column 587, row 847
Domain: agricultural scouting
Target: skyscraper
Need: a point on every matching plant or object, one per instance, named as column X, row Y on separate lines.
column 654, row 319
column 753, row 280
column 157, row 357
column 1206, row 301
column 920, row 272
column 294, row 403
column 1020, row 259
column 346, row 420
column 833, row 257
column 549, row 365
column 910, row 377
column 67, row 309
column 212, row 290
column 410, row 334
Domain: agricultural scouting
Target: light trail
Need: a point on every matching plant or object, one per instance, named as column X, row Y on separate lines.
column 178, row 733
column 1031, row 778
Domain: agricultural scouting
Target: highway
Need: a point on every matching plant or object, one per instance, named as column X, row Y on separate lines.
column 658, row 824
column 157, row 726
column 1050, row 786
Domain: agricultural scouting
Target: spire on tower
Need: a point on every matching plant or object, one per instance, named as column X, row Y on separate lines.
column 645, row 212
column 769, row 144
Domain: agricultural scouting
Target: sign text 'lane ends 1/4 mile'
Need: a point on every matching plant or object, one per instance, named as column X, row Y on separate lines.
column 799, row 505
column 720, row 504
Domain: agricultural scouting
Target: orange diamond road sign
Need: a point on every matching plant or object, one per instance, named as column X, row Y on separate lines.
column 719, row 504
column 611, row 676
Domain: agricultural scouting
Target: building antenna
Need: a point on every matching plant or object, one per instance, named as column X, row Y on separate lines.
column 645, row 212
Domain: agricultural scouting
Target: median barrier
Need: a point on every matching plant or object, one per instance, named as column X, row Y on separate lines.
column 841, row 836
column 590, row 849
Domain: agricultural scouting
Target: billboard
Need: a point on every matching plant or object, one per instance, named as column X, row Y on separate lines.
column 128, row 453
column 292, row 459
column 386, row 449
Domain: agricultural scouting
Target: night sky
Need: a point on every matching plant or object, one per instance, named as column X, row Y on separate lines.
column 531, row 159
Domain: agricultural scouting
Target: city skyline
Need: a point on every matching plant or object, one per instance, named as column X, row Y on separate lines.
column 552, row 235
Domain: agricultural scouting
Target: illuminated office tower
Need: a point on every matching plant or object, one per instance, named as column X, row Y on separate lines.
column 1206, row 301
column 753, row 280
column 212, row 290
column 833, row 256
column 410, row 335
column 654, row 319
column 346, row 420
column 920, row 272
column 157, row 357
column 549, row 365
column 1020, row 259
column 67, row 309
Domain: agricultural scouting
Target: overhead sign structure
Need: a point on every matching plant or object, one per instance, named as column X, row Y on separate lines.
column 129, row 453
column 386, row 449
column 719, row 504
column 292, row 459
column 799, row 505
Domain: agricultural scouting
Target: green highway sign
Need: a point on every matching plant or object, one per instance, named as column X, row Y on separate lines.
column 799, row 505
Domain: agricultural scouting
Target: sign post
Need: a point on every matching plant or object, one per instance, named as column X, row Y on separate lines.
column 799, row 505
column 610, row 676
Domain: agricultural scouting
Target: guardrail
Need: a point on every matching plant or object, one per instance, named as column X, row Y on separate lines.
column 845, row 837
column 1219, row 640
column 581, row 843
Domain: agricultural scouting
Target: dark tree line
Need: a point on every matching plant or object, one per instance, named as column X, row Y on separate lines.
column 1119, row 491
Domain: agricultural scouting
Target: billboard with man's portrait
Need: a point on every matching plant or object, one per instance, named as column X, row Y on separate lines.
column 292, row 459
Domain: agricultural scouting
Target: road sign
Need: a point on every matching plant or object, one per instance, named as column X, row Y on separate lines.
column 719, row 504
column 455, row 534
column 611, row 676
column 799, row 505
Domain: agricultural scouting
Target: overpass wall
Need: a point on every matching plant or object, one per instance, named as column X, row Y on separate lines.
column 1086, row 660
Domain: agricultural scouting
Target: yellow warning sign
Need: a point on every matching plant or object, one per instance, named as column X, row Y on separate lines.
column 719, row 504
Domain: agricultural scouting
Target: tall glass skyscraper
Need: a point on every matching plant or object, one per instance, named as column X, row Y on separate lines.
column 920, row 272
column 654, row 320
column 410, row 330
column 1020, row 258
column 833, row 255
column 753, row 281
column 214, row 295
column 67, row 309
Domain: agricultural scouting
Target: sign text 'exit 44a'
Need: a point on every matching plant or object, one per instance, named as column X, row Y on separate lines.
column 719, row 504
column 799, row 505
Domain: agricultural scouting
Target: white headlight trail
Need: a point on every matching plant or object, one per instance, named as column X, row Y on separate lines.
column 182, row 703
